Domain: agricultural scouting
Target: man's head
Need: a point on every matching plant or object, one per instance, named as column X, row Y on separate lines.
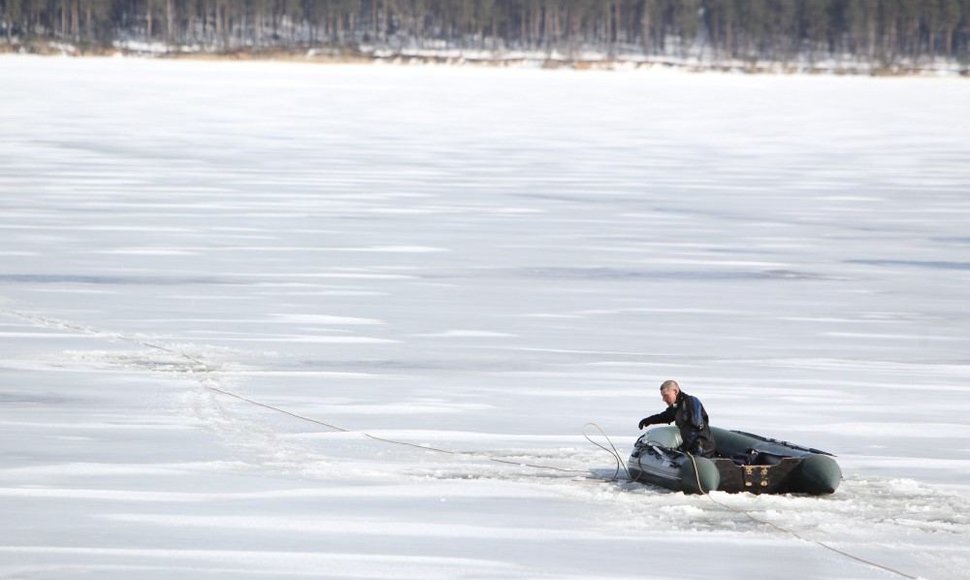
column 669, row 391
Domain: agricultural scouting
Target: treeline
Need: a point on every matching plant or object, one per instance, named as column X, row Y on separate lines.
column 777, row 30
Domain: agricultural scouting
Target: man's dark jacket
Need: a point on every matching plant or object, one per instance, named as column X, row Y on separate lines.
column 689, row 415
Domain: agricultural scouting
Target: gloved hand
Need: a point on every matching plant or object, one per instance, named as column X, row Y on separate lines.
column 643, row 423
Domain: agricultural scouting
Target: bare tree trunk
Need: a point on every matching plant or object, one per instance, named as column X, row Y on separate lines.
column 218, row 23
column 88, row 21
column 537, row 26
column 872, row 38
column 76, row 20
column 613, row 12
column 373, row 18
column 546, row 30
column 170, row 21
column 645, row 28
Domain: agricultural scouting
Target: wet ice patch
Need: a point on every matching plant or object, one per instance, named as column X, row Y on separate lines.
column 460, row 333
column 325, row 319
column 149, row 251
column 396, row 249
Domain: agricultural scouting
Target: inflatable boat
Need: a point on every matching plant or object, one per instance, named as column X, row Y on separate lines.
column 742, row 463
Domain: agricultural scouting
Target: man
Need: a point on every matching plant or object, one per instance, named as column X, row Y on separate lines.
column 689, row 415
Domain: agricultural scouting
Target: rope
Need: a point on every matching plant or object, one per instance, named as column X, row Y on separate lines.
column 782, row 529
column 388, row 440
column 818, row 543
column 697, row 476
column 792, row 532
column 612, row 451
column 209, row 370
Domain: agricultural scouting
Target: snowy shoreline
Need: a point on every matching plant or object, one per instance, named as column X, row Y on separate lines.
column 588, row 60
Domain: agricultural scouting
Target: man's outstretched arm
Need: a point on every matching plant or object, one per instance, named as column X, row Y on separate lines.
column 665, row 417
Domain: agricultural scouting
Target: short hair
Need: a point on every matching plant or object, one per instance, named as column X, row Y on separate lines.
column 667, row 385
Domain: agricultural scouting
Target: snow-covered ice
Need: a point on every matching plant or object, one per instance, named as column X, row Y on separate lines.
column 479, row 261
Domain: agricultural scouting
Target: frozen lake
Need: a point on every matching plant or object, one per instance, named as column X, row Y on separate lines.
column 484, row 261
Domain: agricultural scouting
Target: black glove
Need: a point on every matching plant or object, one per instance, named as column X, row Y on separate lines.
column 643, row 422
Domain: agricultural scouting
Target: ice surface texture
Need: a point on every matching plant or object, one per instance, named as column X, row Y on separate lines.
column 480, row 260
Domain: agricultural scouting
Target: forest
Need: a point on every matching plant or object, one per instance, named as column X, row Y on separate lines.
column 873, row 31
